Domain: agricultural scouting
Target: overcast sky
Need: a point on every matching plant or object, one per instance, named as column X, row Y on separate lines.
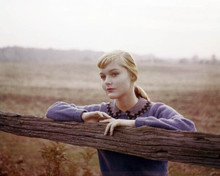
column 165, row 28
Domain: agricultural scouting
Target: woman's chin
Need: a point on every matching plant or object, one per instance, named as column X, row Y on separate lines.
column 111, row 96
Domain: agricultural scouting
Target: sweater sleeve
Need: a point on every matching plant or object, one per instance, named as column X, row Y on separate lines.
column 163, row 116
column 62, row 111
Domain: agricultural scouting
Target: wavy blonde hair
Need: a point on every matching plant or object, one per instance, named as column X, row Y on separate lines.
column 126, row 61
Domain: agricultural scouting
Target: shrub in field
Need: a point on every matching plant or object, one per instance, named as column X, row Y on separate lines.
column 57, row 164
column 87, row 155
column 10, row 166
column 54, row 157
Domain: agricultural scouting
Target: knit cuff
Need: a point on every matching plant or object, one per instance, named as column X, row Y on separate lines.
column 78, row 115
column 138, row 123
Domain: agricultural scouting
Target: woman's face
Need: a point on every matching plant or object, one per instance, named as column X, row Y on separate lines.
column 116, row 81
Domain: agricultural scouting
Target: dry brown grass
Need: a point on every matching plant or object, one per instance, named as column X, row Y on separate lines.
column 30, row 88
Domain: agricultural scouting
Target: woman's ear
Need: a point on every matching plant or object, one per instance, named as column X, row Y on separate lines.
column 133, row 78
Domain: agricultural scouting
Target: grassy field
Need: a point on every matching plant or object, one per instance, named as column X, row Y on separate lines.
column 30, row 88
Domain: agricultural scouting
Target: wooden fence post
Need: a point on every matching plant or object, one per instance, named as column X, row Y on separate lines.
column 152, row 143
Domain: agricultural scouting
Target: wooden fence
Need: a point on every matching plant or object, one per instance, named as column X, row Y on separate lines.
column 152, row 143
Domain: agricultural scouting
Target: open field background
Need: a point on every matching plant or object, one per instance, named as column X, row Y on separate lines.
column 31, row 87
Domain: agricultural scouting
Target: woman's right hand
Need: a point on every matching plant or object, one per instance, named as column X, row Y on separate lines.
column 94, row 116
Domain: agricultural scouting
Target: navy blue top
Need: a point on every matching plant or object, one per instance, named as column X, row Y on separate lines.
column 146, row 113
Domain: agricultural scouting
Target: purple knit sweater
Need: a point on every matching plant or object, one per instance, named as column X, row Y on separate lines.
column 146, row 113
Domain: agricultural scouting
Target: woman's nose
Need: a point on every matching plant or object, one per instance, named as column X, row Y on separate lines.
column 108, row 81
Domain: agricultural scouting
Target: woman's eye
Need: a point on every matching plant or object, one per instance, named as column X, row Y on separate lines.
column 114, row 74
column 102, row 77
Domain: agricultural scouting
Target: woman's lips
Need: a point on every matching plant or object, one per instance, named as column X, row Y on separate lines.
column 110, row 90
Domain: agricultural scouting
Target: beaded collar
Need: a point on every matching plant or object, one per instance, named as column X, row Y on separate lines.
column 137, row 110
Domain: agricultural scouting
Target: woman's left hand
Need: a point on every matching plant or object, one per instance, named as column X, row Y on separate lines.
column 113, row 123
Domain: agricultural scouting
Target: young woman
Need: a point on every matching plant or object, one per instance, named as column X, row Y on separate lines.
column 130, row 107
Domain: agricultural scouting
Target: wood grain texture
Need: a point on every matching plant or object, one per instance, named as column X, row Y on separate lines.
column 152, row 143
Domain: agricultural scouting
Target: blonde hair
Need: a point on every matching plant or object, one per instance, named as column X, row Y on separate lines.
column 126, row 61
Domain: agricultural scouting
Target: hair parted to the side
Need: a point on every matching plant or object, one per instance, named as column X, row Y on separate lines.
column 126, row 61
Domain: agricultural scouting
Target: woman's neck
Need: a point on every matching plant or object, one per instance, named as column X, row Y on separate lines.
column 126, row 102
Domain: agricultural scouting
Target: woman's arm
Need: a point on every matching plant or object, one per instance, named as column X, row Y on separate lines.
column 69, row 112
column 163, row 116
column 159, row 116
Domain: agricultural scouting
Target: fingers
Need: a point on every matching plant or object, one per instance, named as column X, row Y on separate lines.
column 113, row 123
column 111, row 126
column 107, row 116
column 106, row 120
column 107, row 129
column 94, row 116
column 102, row 115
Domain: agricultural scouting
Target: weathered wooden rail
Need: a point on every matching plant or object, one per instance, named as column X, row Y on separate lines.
column 157, row 144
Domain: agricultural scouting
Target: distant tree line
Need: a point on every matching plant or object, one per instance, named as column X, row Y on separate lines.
column 195, row 59
column 35, row 54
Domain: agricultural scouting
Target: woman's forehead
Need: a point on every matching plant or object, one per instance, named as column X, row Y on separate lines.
column 111, row 66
